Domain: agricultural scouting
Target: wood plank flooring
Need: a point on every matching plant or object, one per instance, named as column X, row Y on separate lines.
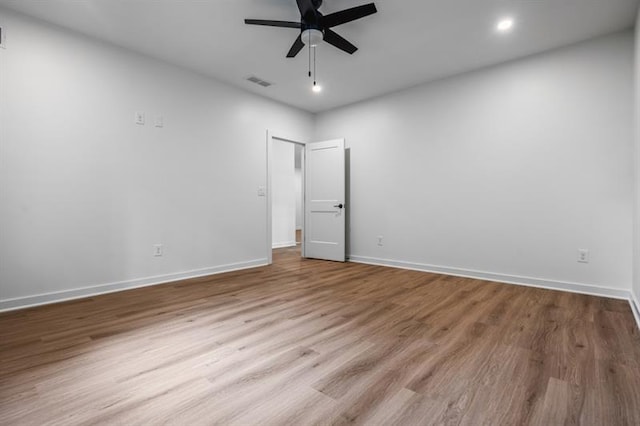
column 306, row 342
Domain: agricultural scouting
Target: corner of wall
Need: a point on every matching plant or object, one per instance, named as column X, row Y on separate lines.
column 635, row 284
column 634, row 301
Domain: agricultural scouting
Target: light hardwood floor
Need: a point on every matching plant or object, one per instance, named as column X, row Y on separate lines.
column 310, row 342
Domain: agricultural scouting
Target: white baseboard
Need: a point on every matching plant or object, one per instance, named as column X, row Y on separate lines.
column 635, row 307
column 283, row 245
column 616, row 293
column 79, row 293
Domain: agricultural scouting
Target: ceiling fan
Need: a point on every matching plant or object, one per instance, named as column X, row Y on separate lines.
column 316, row 27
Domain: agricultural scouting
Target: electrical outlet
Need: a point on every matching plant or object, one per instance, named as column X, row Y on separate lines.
column 583, row 255
column 380, row 243
column 159, row 121
column 139, row 118
column 157, row 250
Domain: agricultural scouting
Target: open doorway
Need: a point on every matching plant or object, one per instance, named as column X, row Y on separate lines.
column 285, row 164
column 298, row 148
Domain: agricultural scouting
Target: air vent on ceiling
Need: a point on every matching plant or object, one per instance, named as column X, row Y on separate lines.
column 259, row 81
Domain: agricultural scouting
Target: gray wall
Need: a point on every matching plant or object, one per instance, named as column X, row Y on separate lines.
column 86, row 193
column 502, row 173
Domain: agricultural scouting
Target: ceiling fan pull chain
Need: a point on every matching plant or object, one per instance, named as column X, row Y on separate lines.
column 314, row 66
column 309, row 59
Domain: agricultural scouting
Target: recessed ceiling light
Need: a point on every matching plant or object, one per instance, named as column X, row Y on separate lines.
column 505, row 25
column 316, row 88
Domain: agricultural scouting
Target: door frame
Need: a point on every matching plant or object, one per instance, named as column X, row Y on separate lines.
column 271, row 136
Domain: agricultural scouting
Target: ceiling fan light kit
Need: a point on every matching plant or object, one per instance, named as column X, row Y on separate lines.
column 315, row 27
column 312, row 37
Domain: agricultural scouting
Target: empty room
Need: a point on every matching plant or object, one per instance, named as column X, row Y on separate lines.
column 307, row 212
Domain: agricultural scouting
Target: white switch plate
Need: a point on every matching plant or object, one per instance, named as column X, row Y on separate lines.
column 3, row 38
column 380, row 240
column 139, row 118
column 262, row 191
column 157, row 250
column 583, row 255
column 159, row 121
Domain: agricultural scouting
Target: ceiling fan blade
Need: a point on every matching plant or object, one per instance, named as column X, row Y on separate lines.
column 296, row 48
column 336, row 40
column 348, row 15
column 307, row 10
column 282, row 24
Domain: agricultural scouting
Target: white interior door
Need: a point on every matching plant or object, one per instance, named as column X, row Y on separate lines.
column 324, row 200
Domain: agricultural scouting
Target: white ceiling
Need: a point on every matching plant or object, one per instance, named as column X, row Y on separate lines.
column 406, row 43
